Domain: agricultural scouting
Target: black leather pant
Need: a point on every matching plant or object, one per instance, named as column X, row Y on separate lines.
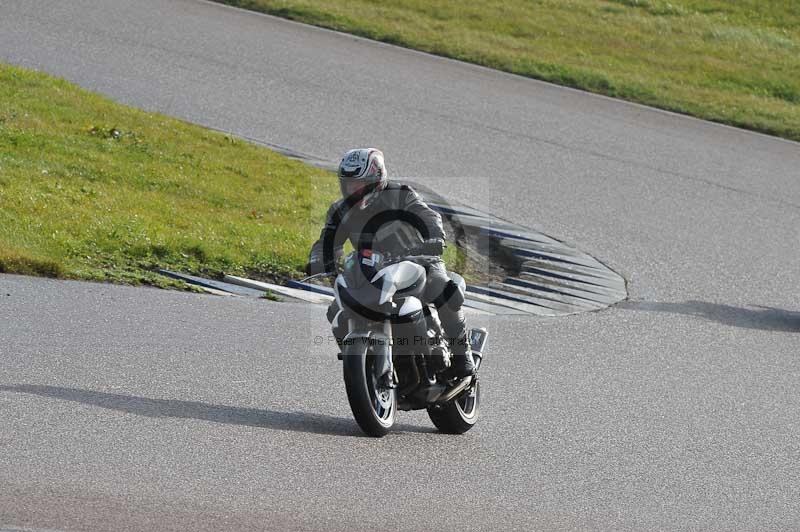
column 443, row 293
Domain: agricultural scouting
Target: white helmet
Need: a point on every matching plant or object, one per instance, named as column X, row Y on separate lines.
column 362, row 174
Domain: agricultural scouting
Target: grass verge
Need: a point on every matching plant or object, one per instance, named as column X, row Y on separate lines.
column 736, row 63
column 90, row 189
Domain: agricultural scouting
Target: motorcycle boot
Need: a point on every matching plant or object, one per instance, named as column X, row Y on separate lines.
column 461, row 364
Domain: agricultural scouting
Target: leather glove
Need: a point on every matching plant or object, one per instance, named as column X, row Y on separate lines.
column 432, row 246
column 316, row 266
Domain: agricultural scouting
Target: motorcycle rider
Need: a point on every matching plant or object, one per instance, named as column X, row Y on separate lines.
column 393, row 217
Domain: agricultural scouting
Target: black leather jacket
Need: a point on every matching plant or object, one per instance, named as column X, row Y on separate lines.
column 395, row 221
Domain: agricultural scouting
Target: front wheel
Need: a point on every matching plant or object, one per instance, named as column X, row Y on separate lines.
column 374, row 406
column 460, row 414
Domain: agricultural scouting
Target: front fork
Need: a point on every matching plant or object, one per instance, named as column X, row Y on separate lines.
column 378, row 337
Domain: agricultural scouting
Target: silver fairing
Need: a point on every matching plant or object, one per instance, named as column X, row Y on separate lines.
column 410, row 306
column 397, row 277
column 338, row 285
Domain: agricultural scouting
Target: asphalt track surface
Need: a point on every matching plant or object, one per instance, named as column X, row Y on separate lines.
column 128, row 408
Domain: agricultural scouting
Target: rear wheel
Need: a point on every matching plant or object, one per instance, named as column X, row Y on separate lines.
column 374, row 406
column 460, row 414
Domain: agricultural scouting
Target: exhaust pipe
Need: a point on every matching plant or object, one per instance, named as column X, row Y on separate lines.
column 477, row 341
column 451, row 394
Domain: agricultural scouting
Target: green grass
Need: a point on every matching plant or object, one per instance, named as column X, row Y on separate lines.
column 735, row 62
column 90, row 189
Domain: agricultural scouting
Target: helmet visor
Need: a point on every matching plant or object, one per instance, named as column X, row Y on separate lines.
column 356, row 188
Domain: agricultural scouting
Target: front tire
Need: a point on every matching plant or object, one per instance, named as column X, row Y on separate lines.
column 374, row 408
column 460, row 414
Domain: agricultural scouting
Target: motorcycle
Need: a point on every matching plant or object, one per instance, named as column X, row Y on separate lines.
column 393, row 348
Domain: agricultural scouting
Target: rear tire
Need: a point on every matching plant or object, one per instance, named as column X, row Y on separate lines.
column 460, row 414
column 373, row 408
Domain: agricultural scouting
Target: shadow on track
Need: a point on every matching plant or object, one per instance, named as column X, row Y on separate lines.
column 231, row 415
column 754, row 317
